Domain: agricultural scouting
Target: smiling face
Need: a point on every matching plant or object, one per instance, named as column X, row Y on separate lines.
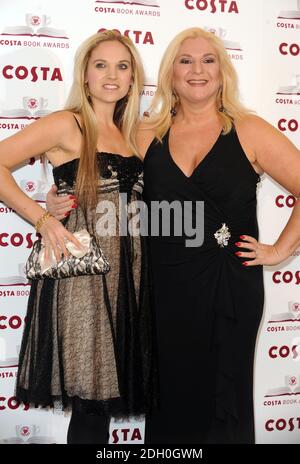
column 196, row 71
column 109, row 72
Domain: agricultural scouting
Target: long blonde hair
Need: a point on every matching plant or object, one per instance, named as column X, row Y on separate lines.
column 126, row 113
column 165, row 101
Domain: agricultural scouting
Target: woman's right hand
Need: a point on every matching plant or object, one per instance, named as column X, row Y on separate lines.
column 59, row 206
column 54, row 236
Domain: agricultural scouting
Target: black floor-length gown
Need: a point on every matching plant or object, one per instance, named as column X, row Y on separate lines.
column 208, row 305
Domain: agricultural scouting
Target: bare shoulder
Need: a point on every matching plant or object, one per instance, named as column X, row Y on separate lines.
column 56, row 130
column 259, row 132
column 67, row 135
column 256, row 132
column 271, row 151
column 52, row 126
column 64, row 128
column 144, row 136
column 252, row 123
column 61, row 120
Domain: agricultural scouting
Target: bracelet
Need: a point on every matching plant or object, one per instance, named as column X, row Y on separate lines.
column 46, row 215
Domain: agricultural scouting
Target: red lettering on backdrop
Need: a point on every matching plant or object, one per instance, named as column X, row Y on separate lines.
column 216, row 5
column 22, row 72
column 284, row 124
column 293, row 49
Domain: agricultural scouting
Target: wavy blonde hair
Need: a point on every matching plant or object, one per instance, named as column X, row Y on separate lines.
column 126, row 113
column 164, row 100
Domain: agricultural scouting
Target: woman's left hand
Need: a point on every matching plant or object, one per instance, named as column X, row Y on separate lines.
column 260, row 253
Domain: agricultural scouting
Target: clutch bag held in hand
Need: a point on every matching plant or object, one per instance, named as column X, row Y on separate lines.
column 86, row 261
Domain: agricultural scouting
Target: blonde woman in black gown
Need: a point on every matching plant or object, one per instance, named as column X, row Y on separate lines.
column 201, row 145
column 87, row 340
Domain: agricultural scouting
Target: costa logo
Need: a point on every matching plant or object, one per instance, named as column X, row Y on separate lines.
column 284, row 351
column 287, row 101
column 12, row 126
column 17, row 239
column 13, row 293
column 11, row 322
column 281, row 201
column 286, row 277
column 292, row 49
column 280, row 402
column 288, row 124
column 130, row 11
column 223, row 6
column 35, row 26
column 126, row 435
column 286, row 25
column 5, row 209
column 283, row 424
column 8, row 375
column 30, row 108
column 294, row 308
column 12, row 403
column 285, row 392
column 138, row 37
column 30, row 186
column 35, row 20
column 150, row 3
column 44, row 73
column 291, row 315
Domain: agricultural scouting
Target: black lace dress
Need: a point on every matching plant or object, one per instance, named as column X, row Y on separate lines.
column 88, row 339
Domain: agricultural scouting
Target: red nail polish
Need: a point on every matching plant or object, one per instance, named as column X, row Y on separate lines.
column 67, row 214
column 242, row 237
column 238, row 253
column 74, row 205
column 237, row 244
column 245, row 264
column 72, row 197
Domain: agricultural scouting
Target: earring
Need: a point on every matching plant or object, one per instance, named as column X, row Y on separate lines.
column 129, row 93
column 173, row 110
column 221, row 107
column 87, row 91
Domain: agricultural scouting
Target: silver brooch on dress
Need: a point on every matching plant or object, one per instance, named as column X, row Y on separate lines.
column 222, row 236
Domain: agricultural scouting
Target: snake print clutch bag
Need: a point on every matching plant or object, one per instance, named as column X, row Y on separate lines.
column 88, row 261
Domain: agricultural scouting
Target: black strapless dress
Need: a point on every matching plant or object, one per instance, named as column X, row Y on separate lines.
column 88, row 339
column 208, row 305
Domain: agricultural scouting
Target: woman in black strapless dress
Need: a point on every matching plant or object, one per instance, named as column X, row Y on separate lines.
column 87, row 342
column 209, row 298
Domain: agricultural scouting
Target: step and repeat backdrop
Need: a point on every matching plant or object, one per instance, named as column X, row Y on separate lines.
column 38, row 39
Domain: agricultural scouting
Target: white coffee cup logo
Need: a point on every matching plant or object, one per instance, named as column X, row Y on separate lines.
column 218, row 31
column 27, row 431
column 33, row 104
column 293, row 381
column 294, row 307
column 37, row 21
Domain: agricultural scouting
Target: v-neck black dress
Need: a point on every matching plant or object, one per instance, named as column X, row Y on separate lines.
column 208, row 305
